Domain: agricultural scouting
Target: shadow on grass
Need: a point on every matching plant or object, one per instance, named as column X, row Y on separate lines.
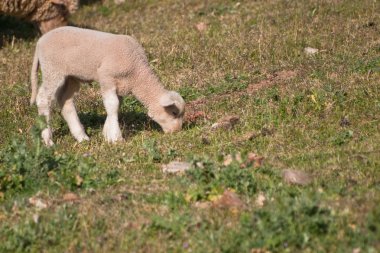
column 130, row 123
column 16, row 28
column 89, row 2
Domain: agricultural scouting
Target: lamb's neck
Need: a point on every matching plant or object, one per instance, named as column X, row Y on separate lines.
column 148, row 91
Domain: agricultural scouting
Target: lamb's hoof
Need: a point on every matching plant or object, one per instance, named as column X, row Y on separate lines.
column 114, row 140
column 82, row 137
column 47, row 135
column 112, row 132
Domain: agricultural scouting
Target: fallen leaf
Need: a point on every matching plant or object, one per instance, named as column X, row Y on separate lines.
column 206, row 140
column 255, row 159
column 201, row 26
column 344, row 122
column 249, row 136
column 78, row 180
column 265, row 131
column 176, row 167
column 38, row 203
column 226, row 123
column 70, row 197
column 310, row 51
column 202, row 204
column 296, row 177
column 36, row 218
column 228, row 200
column 229, row 159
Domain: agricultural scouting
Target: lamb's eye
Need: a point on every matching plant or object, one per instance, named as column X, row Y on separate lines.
column 175, row 114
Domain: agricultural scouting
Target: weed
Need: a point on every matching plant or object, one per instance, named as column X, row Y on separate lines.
column 208, row 180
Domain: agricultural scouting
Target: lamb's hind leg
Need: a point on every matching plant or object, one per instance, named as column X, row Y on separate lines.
column 65, row 98
column 45, row 96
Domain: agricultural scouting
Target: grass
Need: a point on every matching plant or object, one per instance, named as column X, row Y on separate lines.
column 323, row 120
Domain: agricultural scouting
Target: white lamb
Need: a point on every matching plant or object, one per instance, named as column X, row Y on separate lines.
column 69, row 55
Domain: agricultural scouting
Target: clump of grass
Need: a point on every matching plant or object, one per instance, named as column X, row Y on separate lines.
column 32, row 166
column 208, row 179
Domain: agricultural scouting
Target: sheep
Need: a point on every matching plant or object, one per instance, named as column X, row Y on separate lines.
column 47, row 14
column 70, row 55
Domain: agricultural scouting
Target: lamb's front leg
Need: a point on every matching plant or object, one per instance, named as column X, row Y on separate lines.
column 65, row 99
column 111, row 130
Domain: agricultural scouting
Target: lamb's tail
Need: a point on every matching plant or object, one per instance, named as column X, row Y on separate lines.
column 34, row 77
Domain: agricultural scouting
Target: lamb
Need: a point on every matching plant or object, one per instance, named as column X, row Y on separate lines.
column 70, row 55
column 47, row 14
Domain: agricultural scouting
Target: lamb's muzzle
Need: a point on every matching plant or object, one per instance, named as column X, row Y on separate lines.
column 69, row 55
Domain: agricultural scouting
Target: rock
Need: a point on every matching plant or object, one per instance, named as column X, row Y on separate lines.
column 176, row 167
column 310, row 51
column 296, row 177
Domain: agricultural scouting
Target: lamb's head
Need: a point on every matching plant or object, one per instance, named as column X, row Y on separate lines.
column 169, row 111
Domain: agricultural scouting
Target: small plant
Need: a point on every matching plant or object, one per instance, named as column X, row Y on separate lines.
column 208, row 179
column 154, row 154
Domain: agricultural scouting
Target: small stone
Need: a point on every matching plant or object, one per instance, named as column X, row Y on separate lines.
column 201, row 26
column 176, row 167
column 260, row 200
column 296, row 177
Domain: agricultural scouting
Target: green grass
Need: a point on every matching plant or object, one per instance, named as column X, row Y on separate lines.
column 324, row 121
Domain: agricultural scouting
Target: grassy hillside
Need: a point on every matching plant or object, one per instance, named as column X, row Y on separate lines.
column 317, row 113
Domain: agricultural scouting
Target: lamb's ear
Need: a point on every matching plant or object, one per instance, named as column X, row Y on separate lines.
column 167, row 100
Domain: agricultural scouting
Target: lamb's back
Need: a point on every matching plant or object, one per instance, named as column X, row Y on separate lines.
column 82, row 50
